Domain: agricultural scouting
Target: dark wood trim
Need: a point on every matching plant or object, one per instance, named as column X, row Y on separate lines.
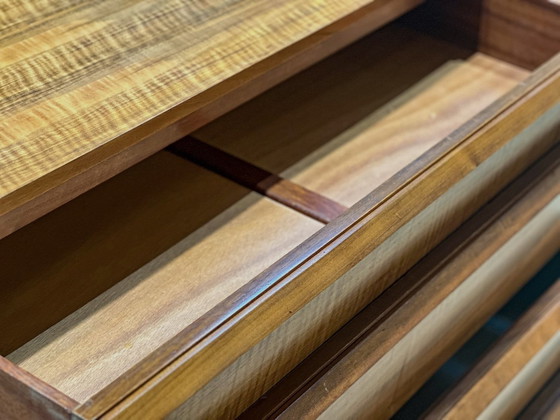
column 505, row 359
column 23, row 396
column 275, row 187
column 256, row 309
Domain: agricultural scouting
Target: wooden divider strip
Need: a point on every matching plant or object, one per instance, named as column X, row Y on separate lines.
column 271, row 185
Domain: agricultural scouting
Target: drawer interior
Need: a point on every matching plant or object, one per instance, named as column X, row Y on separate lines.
column 97, row 285
column 167, row 239
column 345, row 126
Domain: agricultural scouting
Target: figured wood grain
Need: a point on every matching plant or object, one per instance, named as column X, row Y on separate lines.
column 90, row 88
column 526, row 383
column 362, row 115
column 376, row 339
column 103, row 339
column 397, row 224
column 83, row 248
column 475, row 395
column 524, row 32
column 546, row 404
column 257, row 179
column 23, row 396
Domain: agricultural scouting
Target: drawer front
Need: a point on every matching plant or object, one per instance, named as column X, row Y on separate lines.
column 516, row 367
column 525, row 32
column 382, row 356
column 340, row 269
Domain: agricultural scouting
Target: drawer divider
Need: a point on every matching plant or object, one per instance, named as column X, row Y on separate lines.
column 273, row 186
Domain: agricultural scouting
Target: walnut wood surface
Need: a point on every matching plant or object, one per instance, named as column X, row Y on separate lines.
column 546, row 404
column 22, row 396
column 91, row 87
column 377, row 360
column 100, row 341
column 524, row 32
column 536, row 335
column 257, row 179
column 78, row 251
column 337, row 271
column 345, row 126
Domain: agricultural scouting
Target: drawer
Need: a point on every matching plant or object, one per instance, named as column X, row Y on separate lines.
column 373, row 364
column 516, row 367
column 190, row 283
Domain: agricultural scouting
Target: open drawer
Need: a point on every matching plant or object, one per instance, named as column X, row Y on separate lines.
column 192, row 282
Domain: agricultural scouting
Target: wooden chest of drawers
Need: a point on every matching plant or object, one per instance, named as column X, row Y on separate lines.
column 197, row 196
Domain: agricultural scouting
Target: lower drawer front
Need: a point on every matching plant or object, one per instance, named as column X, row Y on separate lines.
column 378, row 360
column 512, row 372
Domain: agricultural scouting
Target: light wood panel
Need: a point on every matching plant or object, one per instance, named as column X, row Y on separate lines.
column 508, row 375
column 347, row 125
column 100, row 341
column 92, row 87
column 376, row 361
column 397, row 224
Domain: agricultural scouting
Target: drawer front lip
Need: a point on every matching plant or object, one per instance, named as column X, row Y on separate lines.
column 370, row 339
column 189, row 358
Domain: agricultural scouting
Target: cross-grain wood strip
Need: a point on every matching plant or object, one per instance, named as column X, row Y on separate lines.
column 257, row 179
column 396, row 224
column 475, row 395
column 89, row 93
column 348, row 124
column 415, row 307
column 169, row 257
column 546, row 404
column 23, row 396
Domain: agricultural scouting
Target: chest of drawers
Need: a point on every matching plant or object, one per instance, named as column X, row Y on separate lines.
column 195, row 196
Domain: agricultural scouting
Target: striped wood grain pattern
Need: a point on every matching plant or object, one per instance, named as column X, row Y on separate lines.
column 91, row 87
column 402, row 337
column 281, row 190
column 546, row 404
column 503, row 381
column 396, row 224
column 348, row 124
column 100, row 341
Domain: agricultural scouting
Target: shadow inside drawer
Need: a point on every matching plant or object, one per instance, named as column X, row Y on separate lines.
column 65, row 259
